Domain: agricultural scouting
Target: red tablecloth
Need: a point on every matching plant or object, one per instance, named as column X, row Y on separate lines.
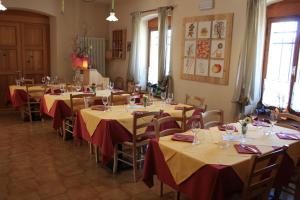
column 59, row 111
column 18, row 99
column 107, row 134
column 209, row 182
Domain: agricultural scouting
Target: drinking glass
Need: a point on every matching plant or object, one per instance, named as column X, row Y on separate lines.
column 163, row 95
column 195, row 126
column 18, row 82
column 105, row 102
column 43, row 80
column 62, row 88
column 170, row 98
column 273, row 120
column 132, row 100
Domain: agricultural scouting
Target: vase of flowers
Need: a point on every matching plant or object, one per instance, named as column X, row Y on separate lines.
column 244, row 128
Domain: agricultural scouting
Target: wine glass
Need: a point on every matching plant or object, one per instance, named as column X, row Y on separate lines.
column 43, row 80
column 170, row 97
column 132, row 100
column 163, row 96
column 111, row 85
column 105, row 102
column 195, row 126
column 254, row 115
column 273, row 120
column 62, row 88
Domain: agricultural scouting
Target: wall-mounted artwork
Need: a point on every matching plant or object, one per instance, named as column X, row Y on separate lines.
column 206, row 48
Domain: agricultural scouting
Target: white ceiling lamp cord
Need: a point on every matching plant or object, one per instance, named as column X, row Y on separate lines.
column 112, row 15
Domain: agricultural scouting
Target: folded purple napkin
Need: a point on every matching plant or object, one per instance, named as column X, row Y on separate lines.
column 260, row 123
column 182, row 137
column 287, row 136
column 247, row 149
column 223, row 127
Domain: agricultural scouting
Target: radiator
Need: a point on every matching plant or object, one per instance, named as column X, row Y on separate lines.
column 96, row 52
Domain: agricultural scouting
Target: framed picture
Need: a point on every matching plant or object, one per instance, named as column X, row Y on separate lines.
column 206, row 48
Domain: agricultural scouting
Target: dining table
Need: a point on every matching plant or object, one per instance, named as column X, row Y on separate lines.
column 17, row 94
column 57, row 105
column 108, row 128
column 220, row 163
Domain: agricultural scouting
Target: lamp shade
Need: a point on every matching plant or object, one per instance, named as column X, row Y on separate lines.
column 2, row 7
column 112, row 17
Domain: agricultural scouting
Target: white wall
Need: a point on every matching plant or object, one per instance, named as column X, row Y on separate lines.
column 217, row 96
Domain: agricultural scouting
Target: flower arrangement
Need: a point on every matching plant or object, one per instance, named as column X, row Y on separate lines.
column 245, row 121
column 80, row 55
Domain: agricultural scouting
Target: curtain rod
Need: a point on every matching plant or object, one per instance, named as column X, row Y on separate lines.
column 152, row 10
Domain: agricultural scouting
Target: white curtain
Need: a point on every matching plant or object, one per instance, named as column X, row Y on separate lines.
column 137, row 70
column 249, row 77
column 162, row 42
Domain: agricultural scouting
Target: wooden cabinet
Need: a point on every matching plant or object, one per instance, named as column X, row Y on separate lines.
column 24, row 48
column 119, row 44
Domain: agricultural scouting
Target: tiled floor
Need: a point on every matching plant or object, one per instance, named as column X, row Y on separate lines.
column 36, row 164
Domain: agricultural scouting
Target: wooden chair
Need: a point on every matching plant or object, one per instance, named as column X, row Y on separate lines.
column 262, row 175
column 28, row 81
column 140, row 123
column 76, row 103
column 213, row 118
column 164, row 132
column 33, row 93
column 119, row 83
column 288, row 120
column 133, row 87
column 120, row 98
column 195, row 101
column 187, row 119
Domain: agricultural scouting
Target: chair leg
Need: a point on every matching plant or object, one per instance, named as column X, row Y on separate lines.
column 177, row 195
column 64, row 131
column 115, row 167
column 161, row 189
column 96, row 153
column 134, row 164
column 30, row 114
column 91, row 148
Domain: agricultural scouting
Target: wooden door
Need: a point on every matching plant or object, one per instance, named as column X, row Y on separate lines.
column 24, row 48
column 10, row 56
column 35, row 51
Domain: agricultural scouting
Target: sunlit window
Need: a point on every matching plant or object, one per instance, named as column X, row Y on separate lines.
column 153, row 56
column 281, row 51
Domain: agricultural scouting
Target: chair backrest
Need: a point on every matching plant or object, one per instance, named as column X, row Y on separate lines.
column 159, row 122
column 188, row 119
column 119, row 83
column 142, row 120
column 288, row 120
column 35, row 92
column 28, row 81
column 77, row 101
column 262, row 175
column 213, row 118
column 196, row 101
column 119, row 98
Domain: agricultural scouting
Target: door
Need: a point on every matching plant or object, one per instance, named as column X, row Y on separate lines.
column 34, row 39
column 281, row 83
column 10, row 56
column 24, row 48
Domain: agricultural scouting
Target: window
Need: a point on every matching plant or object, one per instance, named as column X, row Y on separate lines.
column 281, row 83
column 153, row 55
column 153, row 50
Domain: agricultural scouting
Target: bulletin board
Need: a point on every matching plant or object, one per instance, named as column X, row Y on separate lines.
column 206, row 48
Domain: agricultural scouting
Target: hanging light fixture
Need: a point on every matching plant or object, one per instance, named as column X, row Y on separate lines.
column 2, row 7
column 112, row 15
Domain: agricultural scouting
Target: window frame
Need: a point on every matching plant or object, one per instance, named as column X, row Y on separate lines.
column 295, row 56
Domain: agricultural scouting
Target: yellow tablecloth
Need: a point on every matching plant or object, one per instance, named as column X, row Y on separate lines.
column 123, row 115
column 12, row 88
column 50, row 99
column 184, row 159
